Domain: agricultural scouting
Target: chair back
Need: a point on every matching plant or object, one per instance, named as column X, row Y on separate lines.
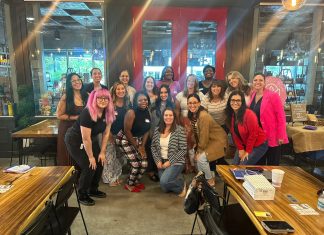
column 65, row 191
column 209, row 194
column 41, row 223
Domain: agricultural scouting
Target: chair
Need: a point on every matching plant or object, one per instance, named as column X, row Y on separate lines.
column 65, row 214
column 220, row 218
column 42, row 224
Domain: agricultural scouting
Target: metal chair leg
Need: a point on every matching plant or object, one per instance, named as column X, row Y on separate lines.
column 77, row 195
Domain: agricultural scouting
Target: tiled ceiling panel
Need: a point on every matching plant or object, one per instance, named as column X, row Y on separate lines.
column 73, row 6
column 73, row 15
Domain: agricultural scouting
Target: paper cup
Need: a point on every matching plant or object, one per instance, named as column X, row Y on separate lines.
column 277, row 177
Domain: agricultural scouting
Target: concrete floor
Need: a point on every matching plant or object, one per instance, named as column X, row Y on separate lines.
column 148, row 212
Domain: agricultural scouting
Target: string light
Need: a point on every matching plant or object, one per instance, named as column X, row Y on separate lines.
column 293, row 5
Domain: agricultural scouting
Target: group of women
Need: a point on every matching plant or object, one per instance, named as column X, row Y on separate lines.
column 163, row 131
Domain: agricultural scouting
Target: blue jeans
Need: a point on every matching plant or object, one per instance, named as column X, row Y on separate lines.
column 256, row 154
column 203, row 165
column 171, row 180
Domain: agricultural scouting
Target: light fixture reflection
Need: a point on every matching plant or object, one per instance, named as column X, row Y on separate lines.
column 293, row 5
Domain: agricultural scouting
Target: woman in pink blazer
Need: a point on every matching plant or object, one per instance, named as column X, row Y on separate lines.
column 271, row 116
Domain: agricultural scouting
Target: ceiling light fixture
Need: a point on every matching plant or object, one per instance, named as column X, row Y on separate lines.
column 293, row 5
column 57, row 35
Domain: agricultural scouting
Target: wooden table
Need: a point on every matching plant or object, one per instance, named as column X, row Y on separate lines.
column 296, row 182
column 44, row 129
column 26, row 199
column 306, row 140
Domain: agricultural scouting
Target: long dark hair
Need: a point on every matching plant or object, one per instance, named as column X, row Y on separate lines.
column 70, row 94
column 137, row 94
column 219, row 83
column 164, row 71
column 155, row 89
column 230, row 112
column 162, row 125
column 169, row 103
column 191, row 115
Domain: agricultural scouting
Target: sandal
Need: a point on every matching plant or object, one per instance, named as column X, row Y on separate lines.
column 134, row 190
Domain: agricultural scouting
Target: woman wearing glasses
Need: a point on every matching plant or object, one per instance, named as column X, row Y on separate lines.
column 68, row 110
column 132, row 140
column 82, row 143
column 211, row 139
column 248, row 136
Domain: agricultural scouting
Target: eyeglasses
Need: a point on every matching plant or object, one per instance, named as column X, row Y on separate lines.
column 76, row 81
column 193, row 103
column 103, row 98
column 236, row 101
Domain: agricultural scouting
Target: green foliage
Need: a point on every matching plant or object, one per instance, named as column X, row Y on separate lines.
column 26, row 107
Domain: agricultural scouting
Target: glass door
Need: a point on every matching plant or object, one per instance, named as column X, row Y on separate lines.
column 185, row 38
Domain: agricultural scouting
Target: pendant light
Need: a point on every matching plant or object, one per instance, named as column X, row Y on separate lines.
column 293, row 5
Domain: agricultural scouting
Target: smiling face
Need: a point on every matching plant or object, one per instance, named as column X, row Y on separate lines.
column 236, row 102
column 102, row 102
column 124, row 77
column 258, row 82
column 164, row 94
column 76, row 82
column 209, row 73
column 96, row 75
column 142, row 101
column 168, row 117
column 233, row 81
column 216, row 90
column 168, row 74
column 191, row 81
column 149, row 84
column 193, row 104
column 120, row 91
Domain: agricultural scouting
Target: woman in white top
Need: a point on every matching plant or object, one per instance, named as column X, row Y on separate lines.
column 215, row 102
column 169, row 147
column 124, row 78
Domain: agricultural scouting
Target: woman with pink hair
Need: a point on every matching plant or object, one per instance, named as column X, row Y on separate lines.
column 82, row 143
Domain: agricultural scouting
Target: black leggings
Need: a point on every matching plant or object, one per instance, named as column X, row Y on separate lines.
column 89, row 178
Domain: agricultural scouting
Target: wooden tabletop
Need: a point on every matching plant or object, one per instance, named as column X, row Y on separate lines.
column 296, row 182
column 26, row 199
column 44, row 129
column 306, row 140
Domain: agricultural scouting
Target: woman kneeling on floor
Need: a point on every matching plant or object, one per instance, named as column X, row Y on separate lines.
column 169, row 148
column 82, row 143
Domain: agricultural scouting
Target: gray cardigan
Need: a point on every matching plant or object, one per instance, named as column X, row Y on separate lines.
column 177, row 147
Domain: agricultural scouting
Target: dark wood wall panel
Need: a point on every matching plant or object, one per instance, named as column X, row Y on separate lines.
column 239, row 40
column 118, row 22
column 20, row 41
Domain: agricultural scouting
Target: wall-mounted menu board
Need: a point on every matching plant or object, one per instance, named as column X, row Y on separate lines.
column 298, row 112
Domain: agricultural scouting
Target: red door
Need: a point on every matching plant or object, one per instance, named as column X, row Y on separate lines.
column 184, row 38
